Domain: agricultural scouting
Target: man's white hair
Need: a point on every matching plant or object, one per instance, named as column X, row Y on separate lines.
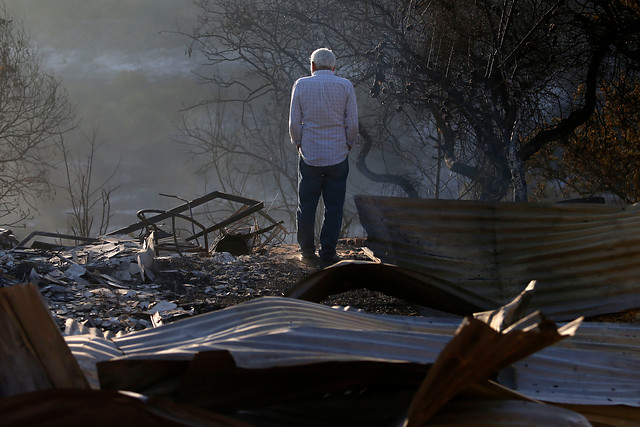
column 323, row 58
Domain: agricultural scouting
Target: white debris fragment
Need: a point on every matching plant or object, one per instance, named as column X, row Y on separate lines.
column 146, row 257
column 224, row 258
column 162, row 306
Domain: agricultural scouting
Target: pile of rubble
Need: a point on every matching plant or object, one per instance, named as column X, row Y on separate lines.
column 103, row 286
column 117, row 283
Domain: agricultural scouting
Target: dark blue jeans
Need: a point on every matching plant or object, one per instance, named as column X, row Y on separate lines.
column 330, row 182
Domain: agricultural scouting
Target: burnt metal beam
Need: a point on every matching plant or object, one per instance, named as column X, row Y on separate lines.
column 254, row 206
column 31, row 235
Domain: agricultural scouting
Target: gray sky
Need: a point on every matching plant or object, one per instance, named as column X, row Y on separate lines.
column 128, row 76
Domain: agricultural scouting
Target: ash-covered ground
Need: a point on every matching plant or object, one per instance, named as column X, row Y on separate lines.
column 98, row 288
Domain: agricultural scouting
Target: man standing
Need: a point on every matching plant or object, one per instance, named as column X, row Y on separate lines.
column 323, row 124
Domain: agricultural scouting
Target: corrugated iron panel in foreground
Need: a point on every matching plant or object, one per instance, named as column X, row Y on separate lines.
column 600, row 365
column 585, row 257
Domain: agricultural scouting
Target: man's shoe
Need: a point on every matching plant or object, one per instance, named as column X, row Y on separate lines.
column 326, row 262
column 310, row 260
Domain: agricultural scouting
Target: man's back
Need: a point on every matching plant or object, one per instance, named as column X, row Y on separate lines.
column 323, row 118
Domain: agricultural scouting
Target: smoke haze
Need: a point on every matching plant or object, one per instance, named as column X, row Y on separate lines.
column 127, row 73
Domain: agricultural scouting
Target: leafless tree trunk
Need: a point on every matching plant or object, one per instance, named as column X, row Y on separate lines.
column 84, row 196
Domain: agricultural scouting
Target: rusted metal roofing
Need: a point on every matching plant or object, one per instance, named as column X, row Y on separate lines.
column 585, row 257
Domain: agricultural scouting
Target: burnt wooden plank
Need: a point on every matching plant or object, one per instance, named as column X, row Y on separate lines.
column 33, row 352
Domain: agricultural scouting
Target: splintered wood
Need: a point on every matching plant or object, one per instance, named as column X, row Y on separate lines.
column 33, row 352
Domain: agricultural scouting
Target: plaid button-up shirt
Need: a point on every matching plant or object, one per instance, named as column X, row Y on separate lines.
column 323, row 119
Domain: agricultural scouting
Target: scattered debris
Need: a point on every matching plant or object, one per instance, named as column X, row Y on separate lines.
column 236, row 225
column 111, row 282
column 105, row 287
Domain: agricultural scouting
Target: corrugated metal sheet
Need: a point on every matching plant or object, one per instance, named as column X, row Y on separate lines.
column 275, row 331
column 408, row 285
column 213, row 380
column 599, row 366
column 89, row 350
column 585, row 257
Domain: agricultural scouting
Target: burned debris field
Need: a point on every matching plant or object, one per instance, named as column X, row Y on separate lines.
column 106, row 297
column 419, row 324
